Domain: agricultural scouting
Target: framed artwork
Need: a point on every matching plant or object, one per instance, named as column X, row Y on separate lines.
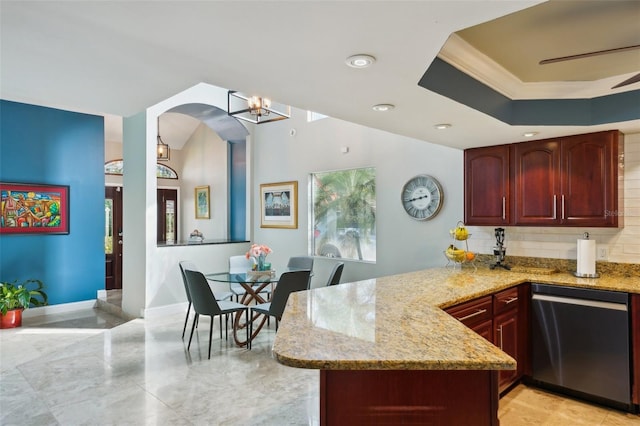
column 202, row 202
column 279, row 205
column 34, row 208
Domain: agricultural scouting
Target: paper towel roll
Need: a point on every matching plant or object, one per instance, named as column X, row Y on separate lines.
column 586, row 257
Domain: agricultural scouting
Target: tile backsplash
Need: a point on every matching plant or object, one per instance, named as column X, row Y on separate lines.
column 621, row 245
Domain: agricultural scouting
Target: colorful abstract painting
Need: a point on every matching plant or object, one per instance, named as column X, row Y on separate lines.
column 33, row 208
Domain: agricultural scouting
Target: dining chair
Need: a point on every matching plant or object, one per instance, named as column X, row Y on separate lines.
column 288, row 283
column 219, row 295
column 302, row 262
column 204, row 303
column 240, row 265
column 336, row 274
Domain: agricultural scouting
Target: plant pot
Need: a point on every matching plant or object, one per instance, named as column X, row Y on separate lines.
column 11, row 319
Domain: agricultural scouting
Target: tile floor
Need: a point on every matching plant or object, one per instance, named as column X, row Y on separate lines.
column 91, row 367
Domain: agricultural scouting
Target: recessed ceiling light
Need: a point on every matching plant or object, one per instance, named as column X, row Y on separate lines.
column 383, row 107
column 360, row 61
column 529, row 134
column 442, row 126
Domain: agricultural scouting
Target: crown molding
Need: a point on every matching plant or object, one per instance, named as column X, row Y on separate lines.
column 461, row 55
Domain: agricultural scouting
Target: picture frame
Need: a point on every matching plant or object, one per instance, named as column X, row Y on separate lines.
column 34, row 208
column 202, row 202
column 279, row 205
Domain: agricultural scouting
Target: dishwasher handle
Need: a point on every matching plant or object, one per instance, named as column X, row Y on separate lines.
column 580, row 302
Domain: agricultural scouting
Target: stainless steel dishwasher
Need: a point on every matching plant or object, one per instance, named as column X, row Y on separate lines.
column 581, row 343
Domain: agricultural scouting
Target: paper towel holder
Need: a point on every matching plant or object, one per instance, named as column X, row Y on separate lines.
column 582, row 275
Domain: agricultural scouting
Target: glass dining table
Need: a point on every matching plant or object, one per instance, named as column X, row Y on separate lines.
column 254, row 283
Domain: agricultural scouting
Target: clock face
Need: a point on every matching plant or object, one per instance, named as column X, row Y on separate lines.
column 422, row 197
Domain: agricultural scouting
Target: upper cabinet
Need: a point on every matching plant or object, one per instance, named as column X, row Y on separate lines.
column 590, row 177
column 569, row 181
column 487, row 186
column 537, row 175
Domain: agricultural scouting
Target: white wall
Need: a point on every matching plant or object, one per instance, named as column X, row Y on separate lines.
column 403, row 244
column 151, row 278
column 205, row 163
column 621, row 244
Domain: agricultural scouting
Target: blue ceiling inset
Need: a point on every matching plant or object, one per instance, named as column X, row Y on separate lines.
column 448, row 81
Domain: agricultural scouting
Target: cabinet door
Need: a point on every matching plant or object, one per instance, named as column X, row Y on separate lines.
column 506, row 338
column 590, row 180
column 486, row 186
column 536, row 168
column 484, row 329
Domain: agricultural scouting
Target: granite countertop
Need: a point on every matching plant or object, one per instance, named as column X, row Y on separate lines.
column 397, row 322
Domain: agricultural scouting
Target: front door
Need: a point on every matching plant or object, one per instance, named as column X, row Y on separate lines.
column 167, row 215
column 113, row 237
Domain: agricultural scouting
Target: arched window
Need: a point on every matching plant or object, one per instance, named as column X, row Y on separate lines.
column 116, row 167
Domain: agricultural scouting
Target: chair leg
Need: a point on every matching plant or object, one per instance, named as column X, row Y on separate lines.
column 246, row 312
column 249, row 326
column 193, row 327
column 210, row 335
column 220, row 326
column 226, row 325
column 186, row 319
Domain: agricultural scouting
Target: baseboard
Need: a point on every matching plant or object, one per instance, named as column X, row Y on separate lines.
column 162, row 311
column 58, row 309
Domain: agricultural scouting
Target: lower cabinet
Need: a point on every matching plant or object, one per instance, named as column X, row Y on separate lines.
column 501, row 319
column 506, row 338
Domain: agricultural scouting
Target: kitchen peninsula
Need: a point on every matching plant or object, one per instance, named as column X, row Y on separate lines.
column 388, row 352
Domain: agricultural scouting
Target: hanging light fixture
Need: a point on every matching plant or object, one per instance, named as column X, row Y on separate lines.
column 162, row 149
column 254, row 109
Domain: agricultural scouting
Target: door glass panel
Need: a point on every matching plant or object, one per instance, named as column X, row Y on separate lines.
column 169, row 214
column 108, row 226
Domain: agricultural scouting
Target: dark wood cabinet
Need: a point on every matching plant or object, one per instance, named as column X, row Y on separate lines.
column 568, row 181
column 417, row 397
column 589, row 185
column 476, row 314
column 487, row 186
column 536, row 167
column 506, row 332
column 571, row 181
column 499, row 318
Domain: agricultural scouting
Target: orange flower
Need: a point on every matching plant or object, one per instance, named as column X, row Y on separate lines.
column 257, row 250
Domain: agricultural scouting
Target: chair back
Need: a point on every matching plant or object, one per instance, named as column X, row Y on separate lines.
column 239, row 264
column 288, row 283
column 336, row 274
column 300, row 262
column 186, row 265
column 204, row 302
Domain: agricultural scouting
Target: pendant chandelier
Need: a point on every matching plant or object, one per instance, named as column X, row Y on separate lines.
column 162, row 149
column 254, row 109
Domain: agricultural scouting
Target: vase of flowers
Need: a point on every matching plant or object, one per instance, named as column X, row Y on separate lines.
column 259, row 252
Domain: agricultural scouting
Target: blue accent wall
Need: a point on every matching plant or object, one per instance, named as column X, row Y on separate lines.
column 237, row 190
column 51, row 146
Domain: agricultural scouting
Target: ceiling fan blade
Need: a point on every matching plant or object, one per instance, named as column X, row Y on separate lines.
column 634, row 79
column 588, row 54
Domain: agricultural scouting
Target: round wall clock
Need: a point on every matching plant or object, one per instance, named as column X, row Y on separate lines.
column 422, row 197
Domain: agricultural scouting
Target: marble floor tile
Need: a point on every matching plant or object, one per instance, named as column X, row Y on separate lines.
column 90, row 368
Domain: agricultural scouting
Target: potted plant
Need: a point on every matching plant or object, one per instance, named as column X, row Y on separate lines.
column 18, row 296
